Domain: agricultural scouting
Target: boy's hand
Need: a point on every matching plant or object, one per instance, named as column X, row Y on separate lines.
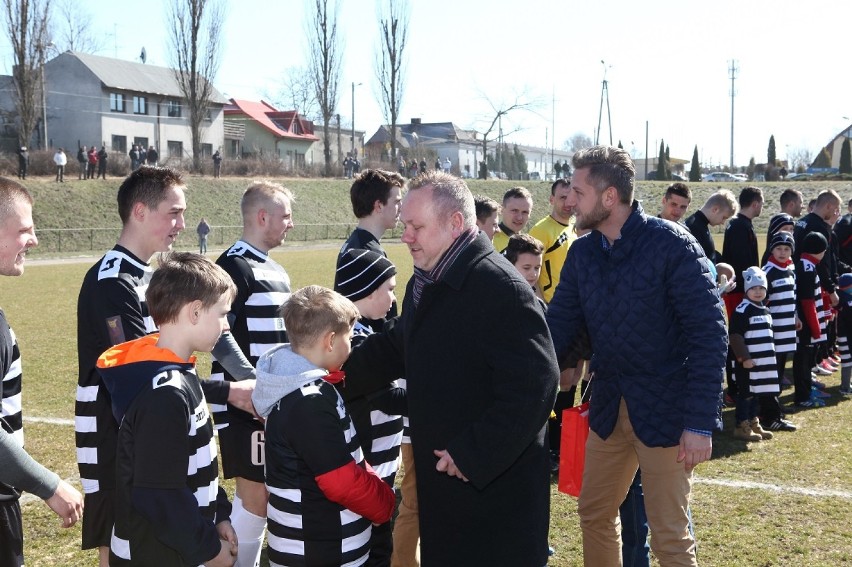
column 798, row 324
column 748, row 363
column 67, row 502
column 227, row 556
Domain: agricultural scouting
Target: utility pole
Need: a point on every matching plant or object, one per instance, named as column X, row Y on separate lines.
column 732, row 69
column 604, row 93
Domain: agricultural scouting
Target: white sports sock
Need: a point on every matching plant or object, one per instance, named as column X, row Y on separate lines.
column 250, row 530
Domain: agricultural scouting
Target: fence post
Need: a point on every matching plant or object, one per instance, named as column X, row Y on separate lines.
column 60, row 241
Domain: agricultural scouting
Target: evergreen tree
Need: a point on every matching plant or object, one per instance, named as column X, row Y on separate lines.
column 520, row 160
column 620, row 147
column 750, row 168
column 668, row 165
column 695, row 168
column 823, row 160
column 770, row 153
column 661, row 162
column 846, row 157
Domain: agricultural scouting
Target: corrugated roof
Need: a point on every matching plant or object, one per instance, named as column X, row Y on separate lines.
column 132, row 76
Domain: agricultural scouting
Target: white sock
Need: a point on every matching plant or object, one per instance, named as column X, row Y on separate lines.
column 250, row 530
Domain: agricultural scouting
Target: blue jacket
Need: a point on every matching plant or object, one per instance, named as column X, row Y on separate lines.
column 656, row 327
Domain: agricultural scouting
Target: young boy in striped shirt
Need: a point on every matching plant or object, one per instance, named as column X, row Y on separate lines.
column 323, row 496
column 781, row 302
column 751, row 342
column 170, row 510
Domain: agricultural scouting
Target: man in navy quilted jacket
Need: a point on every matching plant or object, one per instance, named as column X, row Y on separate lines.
column 642, row 287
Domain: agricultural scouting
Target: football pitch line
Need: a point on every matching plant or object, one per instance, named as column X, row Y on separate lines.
column 737, row 484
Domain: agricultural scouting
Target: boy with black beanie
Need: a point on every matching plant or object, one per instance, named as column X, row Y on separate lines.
column 809, row 305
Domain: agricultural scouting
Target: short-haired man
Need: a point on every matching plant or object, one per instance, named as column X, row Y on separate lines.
column 486, row 215
column 792, row 202
column 375, row 196
column 716, row 211
column 256, row 326
column 825, row 213
column 111, row 309
column 843, row 235
column 481, row 384
column 739, row 248
column 675, row 202
column 19, row 471
column 556, row 233
column 517, row 204
column 664, row 349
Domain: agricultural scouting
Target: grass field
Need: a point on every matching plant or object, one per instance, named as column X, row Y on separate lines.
column 797, row 512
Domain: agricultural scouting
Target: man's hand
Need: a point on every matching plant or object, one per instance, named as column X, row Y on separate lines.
column 226, row 533
column 694, row 449
column 834, row 298
column 67, row 502
column 227, row 555
column 447, row 465
column 568, row 378
column 239, row 395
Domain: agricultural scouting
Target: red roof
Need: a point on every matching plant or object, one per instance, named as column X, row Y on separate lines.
column 282, row 124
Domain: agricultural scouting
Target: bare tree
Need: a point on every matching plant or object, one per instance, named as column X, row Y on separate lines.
column 520, row 102
column 27, row 23
column 73, row 29
column 195, row 29
column 325, row 48
column 799, row 159
column 577, row 142
column 390, row 60
column 297, row 93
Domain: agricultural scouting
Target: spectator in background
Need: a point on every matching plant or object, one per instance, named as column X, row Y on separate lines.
column 103, row 155
column 217, row 164
column 23, row 162
column 153, row 156
column 134, row 157
column 93, row 162
column 203, row 230
column 143, row 155
column 448, row 165
column 60, row 159
column 83, row 160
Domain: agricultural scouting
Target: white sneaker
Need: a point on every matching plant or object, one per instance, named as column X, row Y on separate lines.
column 820, row 371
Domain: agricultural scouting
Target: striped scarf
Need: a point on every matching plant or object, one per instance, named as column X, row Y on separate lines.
column 423, row 278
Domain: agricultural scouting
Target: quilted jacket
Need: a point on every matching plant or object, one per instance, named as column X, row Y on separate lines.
column 656, row 327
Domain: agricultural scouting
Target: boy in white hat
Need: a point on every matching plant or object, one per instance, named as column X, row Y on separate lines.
column 754, row 349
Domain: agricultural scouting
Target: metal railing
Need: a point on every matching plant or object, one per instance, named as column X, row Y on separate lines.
column 69, row 240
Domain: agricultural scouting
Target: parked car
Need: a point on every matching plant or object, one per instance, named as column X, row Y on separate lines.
column 799, row 176
column 679, row 177
column 535, row 176
column 741, row 176
column 720, row 176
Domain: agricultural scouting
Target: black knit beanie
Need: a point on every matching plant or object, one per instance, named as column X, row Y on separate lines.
column 361, row 272
column 814, row 243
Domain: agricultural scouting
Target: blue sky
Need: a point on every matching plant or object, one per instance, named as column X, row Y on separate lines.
column 667, row 64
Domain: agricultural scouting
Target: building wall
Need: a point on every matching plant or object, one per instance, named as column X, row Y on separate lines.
column 315, row 154
column 79, row 114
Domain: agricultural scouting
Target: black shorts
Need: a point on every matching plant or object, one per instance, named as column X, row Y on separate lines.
column 11, row 534
column 243, row 449
column 98, row 519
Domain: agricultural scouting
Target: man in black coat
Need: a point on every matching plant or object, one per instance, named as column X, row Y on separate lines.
column 481, row 384
column 825, row 214
column 718, row 208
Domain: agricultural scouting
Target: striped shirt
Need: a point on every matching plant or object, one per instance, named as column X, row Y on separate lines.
column 262, row 288
column 10, row 389
column 111, row 309
column 781, row 301
column 305, row 528
column 184, row 457
column 754, row 323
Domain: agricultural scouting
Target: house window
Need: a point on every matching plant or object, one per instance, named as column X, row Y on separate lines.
column 116, row 102
column 140, row 105
column 235, row 148
column 141, row 142
column 174, row 109
column 119, row 143
column 175, row 149
column 208, row 115
column 207, row 150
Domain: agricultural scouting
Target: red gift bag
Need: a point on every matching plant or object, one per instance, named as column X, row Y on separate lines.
column 572, row 448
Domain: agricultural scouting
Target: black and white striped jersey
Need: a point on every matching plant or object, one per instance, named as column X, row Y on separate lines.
column 754, row 323
column 10, row 389
column 111, row 309
column 781, row 302
column 262, row 288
